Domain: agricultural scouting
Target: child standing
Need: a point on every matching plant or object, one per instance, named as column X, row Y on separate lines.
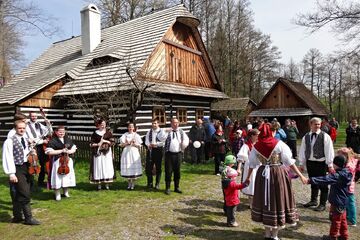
column 338, row 197
column 352, row 163
column 231, row 190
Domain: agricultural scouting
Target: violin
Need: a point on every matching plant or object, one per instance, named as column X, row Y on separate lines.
column 104, row 148
column 64, row 163
column 33, row 160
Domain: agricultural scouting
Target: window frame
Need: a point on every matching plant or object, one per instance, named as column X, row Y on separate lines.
column 159, row 116
column 181, row 117
column 197, row 115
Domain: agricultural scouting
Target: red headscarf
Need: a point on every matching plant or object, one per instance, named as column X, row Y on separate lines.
column 266, row 143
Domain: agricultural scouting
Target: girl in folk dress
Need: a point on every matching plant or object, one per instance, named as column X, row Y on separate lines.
column 130, row 157
column 101, row 165
column 243, row 157
column 60, row 145
column 274, row 203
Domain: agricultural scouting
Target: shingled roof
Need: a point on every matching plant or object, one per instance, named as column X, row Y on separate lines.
column 311, row 102
column 232, row 104
column 131, row 43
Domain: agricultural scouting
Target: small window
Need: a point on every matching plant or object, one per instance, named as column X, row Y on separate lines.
column 159, row 113
column 199, row 113
column 182, row 115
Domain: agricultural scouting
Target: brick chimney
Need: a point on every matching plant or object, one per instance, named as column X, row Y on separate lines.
column 90, row 28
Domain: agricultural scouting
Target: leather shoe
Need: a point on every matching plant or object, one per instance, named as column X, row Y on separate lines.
column 177, row 190
column 32, row 221
column 167, row 191
column 310, row 204
column 320, row 208
column 17, row 220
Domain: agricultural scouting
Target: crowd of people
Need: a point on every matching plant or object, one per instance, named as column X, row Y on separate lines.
column 263, row 153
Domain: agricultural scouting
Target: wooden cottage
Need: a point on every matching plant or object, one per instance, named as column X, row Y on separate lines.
column 288, row 99
column 235, row 108
column 75, row 78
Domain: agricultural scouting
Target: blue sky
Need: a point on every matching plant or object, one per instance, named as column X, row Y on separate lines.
column 271, row 17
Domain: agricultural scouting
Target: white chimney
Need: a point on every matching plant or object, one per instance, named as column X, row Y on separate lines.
column 90, row 28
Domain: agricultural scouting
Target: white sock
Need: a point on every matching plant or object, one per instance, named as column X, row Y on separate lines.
column 267, row 232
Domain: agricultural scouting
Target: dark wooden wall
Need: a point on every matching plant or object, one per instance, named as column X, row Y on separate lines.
column 281, row 97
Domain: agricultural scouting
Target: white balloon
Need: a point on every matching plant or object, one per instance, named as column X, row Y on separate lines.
column 197, row 144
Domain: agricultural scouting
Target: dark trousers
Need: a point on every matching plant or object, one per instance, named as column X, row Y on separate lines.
column 153, row 158
column 207, row 150
column 339, row 227
column 317, row 169
column 230, row 214
column 20, row 191
column 196, row 154
column 292, row 146
column 218, row 158
column 42, row 160
column 172, row 165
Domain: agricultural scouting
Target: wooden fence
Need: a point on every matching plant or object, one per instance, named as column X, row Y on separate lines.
column 83, row 152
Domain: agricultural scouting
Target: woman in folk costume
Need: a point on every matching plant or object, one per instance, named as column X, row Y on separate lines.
column 243, row 157
column 273, row 203
column 101, row 165
column 130, row 157
column 59, row 147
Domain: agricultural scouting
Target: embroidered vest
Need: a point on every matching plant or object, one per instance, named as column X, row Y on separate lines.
column 18, row 151
column 318, row 148
column 169, row 139
column 33, row 131
column 150, row 136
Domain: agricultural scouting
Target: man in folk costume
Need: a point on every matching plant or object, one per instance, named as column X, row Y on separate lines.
column 273, row 203
column 154, row 140
column 317, row 153
column 15, row 153
column 36, row 132
column 175, row 144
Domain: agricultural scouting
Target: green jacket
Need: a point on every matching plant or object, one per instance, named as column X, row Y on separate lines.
column 291, row 132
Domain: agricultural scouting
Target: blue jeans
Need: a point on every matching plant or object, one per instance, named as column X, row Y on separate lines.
column 351, row 209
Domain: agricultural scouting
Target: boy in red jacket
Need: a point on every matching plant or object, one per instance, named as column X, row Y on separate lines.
column 231, row 191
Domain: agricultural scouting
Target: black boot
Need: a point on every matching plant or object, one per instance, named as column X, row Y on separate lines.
column 176, row 183
column 29, row 220
column 167, row 191
column 157, row 185
column 17, row 212
column 313, row 201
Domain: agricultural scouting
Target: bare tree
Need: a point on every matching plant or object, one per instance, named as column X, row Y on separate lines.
column 342, row 16
column 19, row 18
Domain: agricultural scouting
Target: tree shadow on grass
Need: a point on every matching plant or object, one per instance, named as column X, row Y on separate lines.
column 4, row 205
column 5, row 217
column 204, row 202
column 210, row 234
column 314, row 219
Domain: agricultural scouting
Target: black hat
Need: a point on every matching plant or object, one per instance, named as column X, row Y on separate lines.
column 340, row 161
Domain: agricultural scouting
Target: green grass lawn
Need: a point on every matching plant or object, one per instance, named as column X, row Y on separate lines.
column 142, row 214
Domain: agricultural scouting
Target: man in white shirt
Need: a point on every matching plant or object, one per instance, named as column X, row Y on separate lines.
column 36, row 133
column 175, row 144
column 317, row 153
column 15, row 152
column 154, row 140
